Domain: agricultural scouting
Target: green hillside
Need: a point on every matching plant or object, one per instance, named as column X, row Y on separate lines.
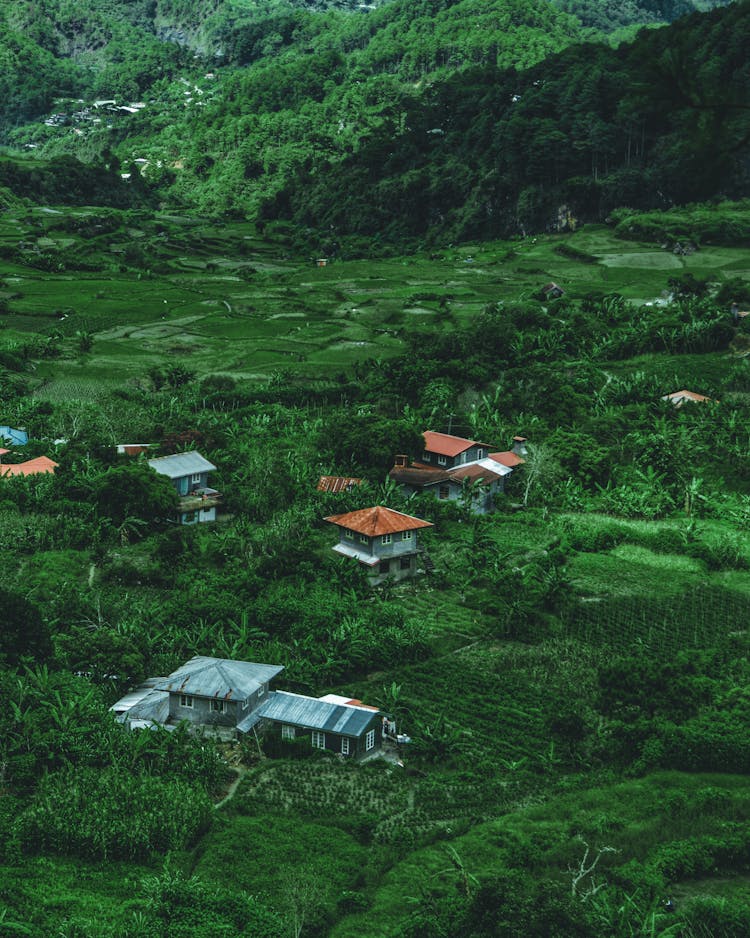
column 293, row 236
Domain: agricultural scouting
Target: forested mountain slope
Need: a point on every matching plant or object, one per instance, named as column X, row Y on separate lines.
column 610, row 14
column 661, row 121
column 443, row 119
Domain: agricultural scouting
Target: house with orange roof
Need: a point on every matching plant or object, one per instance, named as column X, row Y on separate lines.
column 472, row 474
column 32, row 467
column 382, row 540
column 678, row 398
column 443, row 451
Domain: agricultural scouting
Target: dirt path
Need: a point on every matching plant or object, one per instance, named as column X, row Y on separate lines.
column 241, row 773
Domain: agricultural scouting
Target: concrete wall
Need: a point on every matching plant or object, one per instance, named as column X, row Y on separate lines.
column 201, row 713
column 198, row 517
column 333, row 740
column 395, row 569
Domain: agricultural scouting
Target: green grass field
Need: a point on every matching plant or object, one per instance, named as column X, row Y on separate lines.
column 215, row 298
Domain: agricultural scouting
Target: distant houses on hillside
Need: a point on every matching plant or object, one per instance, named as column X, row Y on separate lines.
column 14, row 436
column 32, row 467
column 678, row 398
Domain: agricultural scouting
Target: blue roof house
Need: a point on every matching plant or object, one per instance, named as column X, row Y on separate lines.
column 13, row 436
column 188, row 473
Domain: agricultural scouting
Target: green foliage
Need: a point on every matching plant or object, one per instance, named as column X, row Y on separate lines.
column 194, row 908
column 136, row 491
column 112, row 813
column 24, row 634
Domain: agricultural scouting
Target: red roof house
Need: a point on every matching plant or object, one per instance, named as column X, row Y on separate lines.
column 380, row 539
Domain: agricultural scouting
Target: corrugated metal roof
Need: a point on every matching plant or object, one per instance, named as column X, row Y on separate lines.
column 315, row 714
column 336, row 484
column 474, row 472
column 134, row 449
column 378, row 520
column 219, row 677
column 679, row 397
column 181, row 464
column 446, row 445
column 348, row 701
column 31, row 467
column 251, row 720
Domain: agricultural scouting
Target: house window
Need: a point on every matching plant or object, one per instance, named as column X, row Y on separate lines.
column 245, row 703
column 186, row 701
column 261, row 690
column 287, row 732
column 385, row 539
column 385, row 566
column 364, row 539
column 442, row 460
column 218, row 706
column 444, row 491
column 344, row 746
column 406, row 535
column 406, row 563
column 349, row 535
column 464, row 456
column 426, row 457
column 369, row 740
column 195, row 478
column 318, row 739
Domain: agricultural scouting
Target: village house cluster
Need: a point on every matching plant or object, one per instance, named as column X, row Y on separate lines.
column 232, row 699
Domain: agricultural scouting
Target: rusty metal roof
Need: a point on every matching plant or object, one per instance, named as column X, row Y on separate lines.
column 378, row 520
column 446, row 445
column 679, row 397
column 411, row 475
column 219, row 677
column 475, row 472
column 336, row 484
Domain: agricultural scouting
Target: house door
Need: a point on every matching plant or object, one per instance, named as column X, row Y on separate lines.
column 184, row 483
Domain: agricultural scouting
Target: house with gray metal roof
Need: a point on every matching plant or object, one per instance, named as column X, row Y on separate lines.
column 236, row 695
column 349, row 729
column 188, row 473
column 217, row 691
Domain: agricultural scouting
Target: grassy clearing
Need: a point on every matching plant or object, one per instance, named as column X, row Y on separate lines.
column 637, row 818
